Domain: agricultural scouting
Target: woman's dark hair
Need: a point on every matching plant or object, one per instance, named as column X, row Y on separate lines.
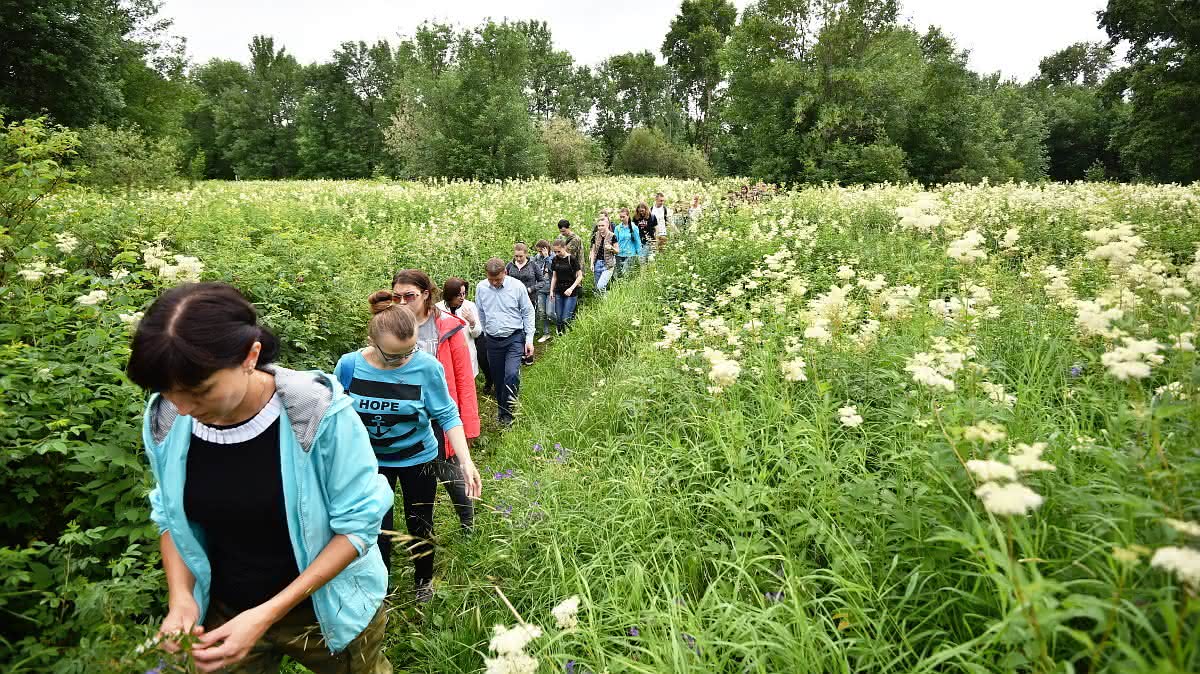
column 542, row 243
column 452, row 287
column 418, row 278
column 193, row 330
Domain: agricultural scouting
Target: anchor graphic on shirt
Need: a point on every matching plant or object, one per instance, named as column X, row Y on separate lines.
column 381, row 425
column 378, row 421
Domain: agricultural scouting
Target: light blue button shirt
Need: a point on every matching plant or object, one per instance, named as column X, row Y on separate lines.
column 505, row 310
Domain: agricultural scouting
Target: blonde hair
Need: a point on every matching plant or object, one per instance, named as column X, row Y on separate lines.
column 389, row 318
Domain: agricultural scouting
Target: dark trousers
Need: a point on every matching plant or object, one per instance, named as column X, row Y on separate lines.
column 418, row 487
column 481, row 355
column 449, row 473
column 504, row 355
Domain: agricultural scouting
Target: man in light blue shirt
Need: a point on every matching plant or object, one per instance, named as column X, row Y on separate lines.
column 507, row 316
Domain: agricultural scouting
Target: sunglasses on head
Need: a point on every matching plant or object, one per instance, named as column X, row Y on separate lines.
column 405, row 298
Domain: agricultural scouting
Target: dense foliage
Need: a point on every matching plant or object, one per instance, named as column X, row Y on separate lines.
column 841, row 91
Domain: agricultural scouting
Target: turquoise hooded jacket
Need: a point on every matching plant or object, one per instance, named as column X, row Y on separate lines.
column 331, row 485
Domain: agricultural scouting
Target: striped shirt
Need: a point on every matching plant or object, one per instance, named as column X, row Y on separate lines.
column 397, row 406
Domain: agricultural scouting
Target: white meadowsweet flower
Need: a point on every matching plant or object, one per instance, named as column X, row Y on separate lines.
column 873, row 285
column 565, row 613
column 92, row 299
column 67, row 243
column 845, row 272
column 967, row 248
column 119, row 274
column 33, row 272
column 1013, row 498
column 1185, row 528
column 818, row 331
column 997, row 394
column 1133, row 360
column 793, row 370
column 1174, row 389
column 1184, row 341
column 1183, row 562
column 724, row 372
column 131, row 319
column 989, row 470
column 507, row 641
column 849, row 416
column 516, row 663
column 985, row 432
column 1011, row 236
column 1028, row 458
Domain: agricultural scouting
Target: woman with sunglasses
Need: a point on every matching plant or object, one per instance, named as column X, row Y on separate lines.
column 398, row 391
column 444, row 337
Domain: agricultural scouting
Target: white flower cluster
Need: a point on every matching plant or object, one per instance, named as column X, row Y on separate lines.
column 849, row 416
column 187, row 269
column 1057, row 286
column 92, row 299
column 1093, row 318
column 1119, row 245
column 508, row 643
column 66, row 242
column 898, row 301
column 997, row 394
column 793, row 370
column 977, row 302
column 985, row 432
column 936, row 369
column 1000, row 492
column 921, row 215
column 968, row 248
column 1133, row 360
column 1183, row 562
column 1011, row 236
column 37, row 269
column 723, row 370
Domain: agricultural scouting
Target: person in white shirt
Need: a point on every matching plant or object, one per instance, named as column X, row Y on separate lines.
column 660, row 219
column 457, row 305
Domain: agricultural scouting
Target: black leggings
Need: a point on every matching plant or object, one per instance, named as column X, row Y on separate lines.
column 418, row 486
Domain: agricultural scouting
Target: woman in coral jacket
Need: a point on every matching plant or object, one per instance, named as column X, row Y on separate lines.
column 445, row 337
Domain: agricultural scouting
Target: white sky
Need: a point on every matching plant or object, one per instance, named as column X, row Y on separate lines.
column 1010, row 37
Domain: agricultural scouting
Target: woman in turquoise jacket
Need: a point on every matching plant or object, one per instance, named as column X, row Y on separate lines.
column 629, row 246
column 268, row 499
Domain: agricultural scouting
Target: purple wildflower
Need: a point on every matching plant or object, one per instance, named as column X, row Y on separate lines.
column 635, row 632
column 691, row 643
column 537, row 447
column 504, row 475
column 1075, row 370
column 569, row 668
column 504, row 509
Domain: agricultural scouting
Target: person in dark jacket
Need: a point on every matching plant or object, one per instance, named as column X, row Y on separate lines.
column 645, row 224
column 529, row 274
column 544, row 306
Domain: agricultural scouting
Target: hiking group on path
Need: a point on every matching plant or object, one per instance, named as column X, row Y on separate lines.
column 272, row 486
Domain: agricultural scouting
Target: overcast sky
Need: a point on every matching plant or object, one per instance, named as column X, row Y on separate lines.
column 1010, row 37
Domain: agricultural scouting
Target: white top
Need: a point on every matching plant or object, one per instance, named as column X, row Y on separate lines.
column 468, row 308
column 660, row 213
column 244, row 431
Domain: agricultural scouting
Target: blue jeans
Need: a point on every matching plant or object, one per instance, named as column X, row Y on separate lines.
column 504, row 355
column 545, row 309
column 603, row 275
column 564, row 309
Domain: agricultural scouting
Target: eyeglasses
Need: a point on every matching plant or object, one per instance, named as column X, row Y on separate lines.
column 395, row 358
column 406, row 298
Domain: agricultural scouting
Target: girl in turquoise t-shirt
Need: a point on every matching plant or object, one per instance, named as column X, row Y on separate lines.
column 397, row 391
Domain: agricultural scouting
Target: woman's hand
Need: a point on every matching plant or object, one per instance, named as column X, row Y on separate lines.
column 568, row 291
column 231, row 642
column 183, row 618
column 471, row 478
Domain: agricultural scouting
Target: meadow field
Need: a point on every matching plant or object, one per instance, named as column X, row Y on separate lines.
column 841, row 430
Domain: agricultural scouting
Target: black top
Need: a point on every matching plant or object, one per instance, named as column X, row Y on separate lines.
column 646, row 228
column 234, row 492
column 529, row 275
column 566, row 268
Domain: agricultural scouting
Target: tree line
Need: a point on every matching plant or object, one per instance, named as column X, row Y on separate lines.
column 807, row 91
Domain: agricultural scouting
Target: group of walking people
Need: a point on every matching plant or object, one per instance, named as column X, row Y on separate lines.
column 275, row 488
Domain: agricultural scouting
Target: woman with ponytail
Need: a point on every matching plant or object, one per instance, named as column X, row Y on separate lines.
column 267, row 495
column 399, row 391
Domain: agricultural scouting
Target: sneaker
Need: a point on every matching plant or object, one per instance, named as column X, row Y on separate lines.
column 424, row 592
column 543, row 338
